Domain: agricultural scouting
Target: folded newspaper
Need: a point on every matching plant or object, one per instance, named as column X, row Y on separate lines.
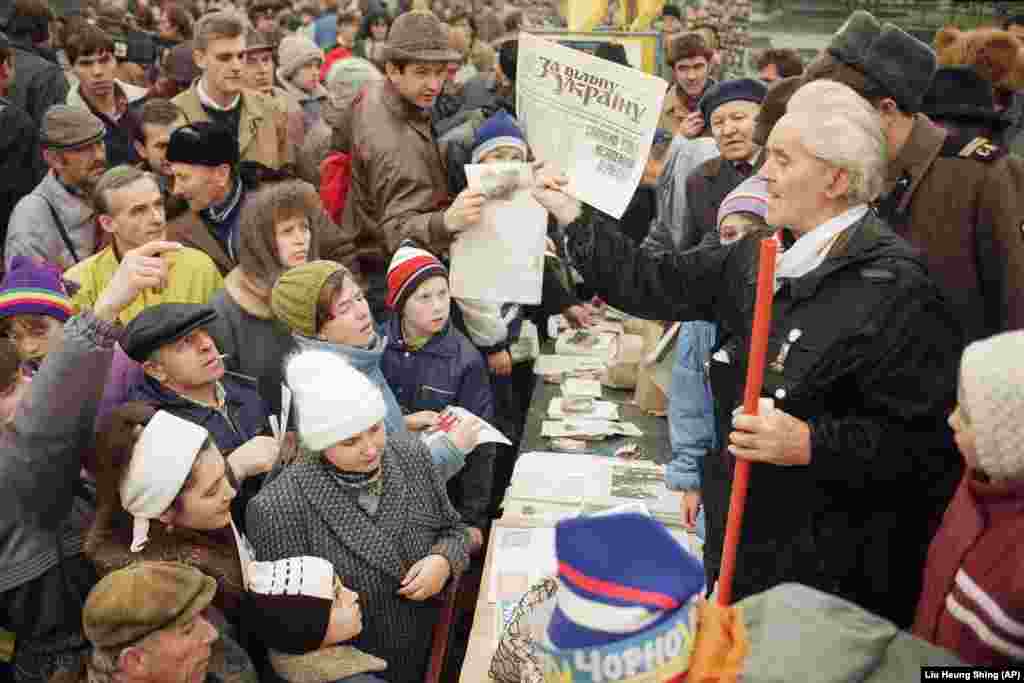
column 450, row 419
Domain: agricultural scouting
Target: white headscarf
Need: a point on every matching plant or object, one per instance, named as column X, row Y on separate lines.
column 161, row 462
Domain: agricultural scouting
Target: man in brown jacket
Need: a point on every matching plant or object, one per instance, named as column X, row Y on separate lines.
column 399, row 185
column 960, row 201
column 690, row 60
column 255, row 120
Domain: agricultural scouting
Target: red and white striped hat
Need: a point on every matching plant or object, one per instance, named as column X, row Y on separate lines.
column 408, row 268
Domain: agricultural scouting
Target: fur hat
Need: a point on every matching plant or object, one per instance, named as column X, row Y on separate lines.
column 129, row 604
column 996, row 55
column 296, row 292
column 333, row 400
column 31, row 288
column 295, row 52
column 992, row 390
column 418, row 36
column 500, row 130
column 958, row 92
column 203, row 143
column 410, row 267
column 897, row 61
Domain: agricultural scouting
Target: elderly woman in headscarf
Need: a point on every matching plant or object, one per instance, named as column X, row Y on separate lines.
column 853, row 462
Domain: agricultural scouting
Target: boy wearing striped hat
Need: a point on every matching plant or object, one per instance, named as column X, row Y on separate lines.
column 34, row 305
column 430, row 365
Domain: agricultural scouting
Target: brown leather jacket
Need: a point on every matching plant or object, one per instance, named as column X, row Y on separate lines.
column 399, row 186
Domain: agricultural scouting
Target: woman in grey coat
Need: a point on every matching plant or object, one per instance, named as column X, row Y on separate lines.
column 372, row 504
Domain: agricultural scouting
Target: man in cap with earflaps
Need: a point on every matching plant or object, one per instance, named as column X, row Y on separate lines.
column 957, row 198
column 399, row 185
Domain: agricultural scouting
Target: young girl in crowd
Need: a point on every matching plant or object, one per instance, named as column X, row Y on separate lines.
column 324, row 308
column 369, row 502
column 34, row 305
column 691, row 408
column 299, row 74
column 973, row 597
column 430, row 365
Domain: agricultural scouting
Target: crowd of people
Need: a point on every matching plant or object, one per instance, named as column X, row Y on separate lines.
column 227, row 327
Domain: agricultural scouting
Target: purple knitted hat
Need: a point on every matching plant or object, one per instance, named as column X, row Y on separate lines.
column 750, row 196
column 29, row 287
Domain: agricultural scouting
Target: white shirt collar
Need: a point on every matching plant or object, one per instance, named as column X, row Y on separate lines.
column 811, row 249
column 207, row 101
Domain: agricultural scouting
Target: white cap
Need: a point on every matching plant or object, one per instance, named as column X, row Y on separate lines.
column 334, row 401
column 161, row 462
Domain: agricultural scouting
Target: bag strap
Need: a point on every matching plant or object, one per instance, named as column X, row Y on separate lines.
column 60, row 227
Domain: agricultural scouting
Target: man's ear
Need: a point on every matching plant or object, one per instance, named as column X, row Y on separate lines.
column 167, row 516
column 839, row 185
column 199, row 57
column 132, row 661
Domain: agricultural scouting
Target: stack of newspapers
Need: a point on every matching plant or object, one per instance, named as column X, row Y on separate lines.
column 554, row 486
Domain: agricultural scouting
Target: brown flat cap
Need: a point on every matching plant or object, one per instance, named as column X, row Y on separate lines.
column 417, row 36
column 66, row 127
column 131, row 603
column 773, row 107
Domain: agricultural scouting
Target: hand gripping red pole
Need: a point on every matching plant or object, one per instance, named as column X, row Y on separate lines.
column 755, row 378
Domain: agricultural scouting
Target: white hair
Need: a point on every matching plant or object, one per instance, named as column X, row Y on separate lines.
column 842, row 129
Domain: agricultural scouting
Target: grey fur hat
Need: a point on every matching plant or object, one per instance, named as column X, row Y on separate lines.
column 903, row 65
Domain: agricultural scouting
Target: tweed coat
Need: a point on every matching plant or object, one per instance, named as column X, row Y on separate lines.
column 307, row 511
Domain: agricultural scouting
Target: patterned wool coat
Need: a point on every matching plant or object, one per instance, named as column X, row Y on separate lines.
column 307, row 511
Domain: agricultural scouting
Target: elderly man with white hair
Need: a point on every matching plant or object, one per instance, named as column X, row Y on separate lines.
column 861, row 363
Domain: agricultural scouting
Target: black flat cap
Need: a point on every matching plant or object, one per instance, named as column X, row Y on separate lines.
column 160, row 325
column 203, row 143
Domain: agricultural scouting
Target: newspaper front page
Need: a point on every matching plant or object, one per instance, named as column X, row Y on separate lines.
column 592, row 118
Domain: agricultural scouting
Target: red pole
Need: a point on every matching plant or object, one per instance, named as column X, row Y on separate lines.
column 755, row 378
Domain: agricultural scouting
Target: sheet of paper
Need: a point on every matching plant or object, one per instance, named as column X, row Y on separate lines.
column 590, row 117
column 602, row 410
column 286, row 409
column 573, row 386
column 449, row 420
column 552, row 364
column 521, row 557
column 501, row 259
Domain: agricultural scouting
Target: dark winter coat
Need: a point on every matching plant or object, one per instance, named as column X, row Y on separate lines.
column 243, row 417
column 21, row 166
column 449, row 370
column 38, row 83
column 307, row 511
column 871, row 368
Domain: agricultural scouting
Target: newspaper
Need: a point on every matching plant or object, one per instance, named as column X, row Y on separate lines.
column 584, row 428
column 553, row 364
column 600, row 410
column 501, row 260
column 450, row 418
column 592, row 118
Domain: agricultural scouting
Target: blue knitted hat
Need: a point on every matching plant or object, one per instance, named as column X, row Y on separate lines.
column 625, row 583
column 501, row 130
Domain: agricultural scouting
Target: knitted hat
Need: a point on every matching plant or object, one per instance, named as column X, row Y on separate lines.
column 750, row 196
column 294, row 296
column 900, row 63
column 203, row 143
column 610, row 601
column 295, row 52
column 746, row 89
column 333, row 400
column 161, row 462
column 992, row 385
column 129, row 604
column 409, row 267
column 292, row 600
column 67, row 127
column 418, row 36
column 501, row 130
column 958, row 92
column 29, row 288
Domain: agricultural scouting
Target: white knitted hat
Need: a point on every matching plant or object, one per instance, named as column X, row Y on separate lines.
column 992, row 379
column 294, row 52
column 333, row 400
column 161, row 462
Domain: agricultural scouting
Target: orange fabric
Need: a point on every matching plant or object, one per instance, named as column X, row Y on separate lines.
column 720, row 645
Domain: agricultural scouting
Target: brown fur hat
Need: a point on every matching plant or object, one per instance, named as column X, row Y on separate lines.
column 997, row 56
